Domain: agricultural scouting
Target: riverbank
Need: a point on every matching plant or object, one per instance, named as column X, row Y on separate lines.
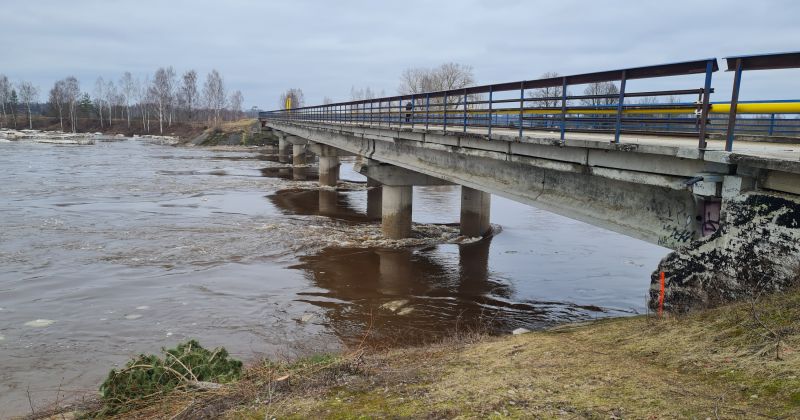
column 735, row 361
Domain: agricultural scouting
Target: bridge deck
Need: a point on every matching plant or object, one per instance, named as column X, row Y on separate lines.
column 784, row 151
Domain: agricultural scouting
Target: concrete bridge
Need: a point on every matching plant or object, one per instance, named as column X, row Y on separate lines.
column 728, row 204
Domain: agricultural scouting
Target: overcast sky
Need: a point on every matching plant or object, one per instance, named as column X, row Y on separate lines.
column 326, row 47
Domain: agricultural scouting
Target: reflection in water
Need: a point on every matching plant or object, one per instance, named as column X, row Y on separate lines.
column 299, row 173
column 414, row 295
column 317, row 202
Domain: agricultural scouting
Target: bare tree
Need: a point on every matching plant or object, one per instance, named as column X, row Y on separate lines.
column 72, row 90
column 361, row 93
column 110, row 100
column 448, row 76
column 28, row 94
column 58, row 100
column 548, row 97
column 189, row 92
column 99, row 95
column 5, row 92
column 292, row 98
column 162, row 93
column 214, row 93
column 601, row 89
column 327, row 101
column 235, row 104
column 128, row 86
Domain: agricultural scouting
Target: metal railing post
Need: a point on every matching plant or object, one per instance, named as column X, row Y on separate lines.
column 705, row 106
column 521, row 106
column 620, row 104
column 737, row 80
column 563, row 108
column 465, row 110
column 771, row 124
column 400, row 111
column 445, row 112
column 427, row 109
column 413, row 105
column 490, row 112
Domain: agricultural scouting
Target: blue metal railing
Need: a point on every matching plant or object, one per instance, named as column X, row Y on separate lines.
column 522, row 106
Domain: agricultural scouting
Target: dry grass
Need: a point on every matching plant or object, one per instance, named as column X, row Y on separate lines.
column 719, row 363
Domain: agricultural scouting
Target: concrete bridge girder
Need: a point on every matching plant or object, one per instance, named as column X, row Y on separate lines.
column 660, row 210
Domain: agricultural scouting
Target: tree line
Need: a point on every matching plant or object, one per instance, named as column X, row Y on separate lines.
column 163, row 98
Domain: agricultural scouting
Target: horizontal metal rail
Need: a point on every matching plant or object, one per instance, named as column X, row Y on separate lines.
column 546, row 104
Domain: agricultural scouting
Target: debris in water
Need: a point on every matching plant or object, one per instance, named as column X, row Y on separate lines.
column 307, row 317
column 39, row 323
column 142, row 308
column 133, row 316
column 405, row 311
column 394, row 305
column 519, row 331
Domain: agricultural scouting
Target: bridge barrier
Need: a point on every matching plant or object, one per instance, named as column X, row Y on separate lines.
column 547, row 104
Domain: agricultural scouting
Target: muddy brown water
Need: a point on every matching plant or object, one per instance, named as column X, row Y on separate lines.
column 119, row 248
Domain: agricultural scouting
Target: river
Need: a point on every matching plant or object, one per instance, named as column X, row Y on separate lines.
column 123, row 247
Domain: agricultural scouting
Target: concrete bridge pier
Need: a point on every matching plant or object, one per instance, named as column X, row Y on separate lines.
column 298, row 154
column 328, row 164
column 284, row 147
column 475, row 211
column 374, row 198
column 396, row 195
column 396, row 207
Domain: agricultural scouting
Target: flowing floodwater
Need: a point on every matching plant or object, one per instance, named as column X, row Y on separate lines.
column 119, row 248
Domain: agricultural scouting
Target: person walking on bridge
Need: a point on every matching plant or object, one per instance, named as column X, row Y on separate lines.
column 409, row 107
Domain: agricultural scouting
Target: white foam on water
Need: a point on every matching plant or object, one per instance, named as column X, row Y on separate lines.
column 133, row 316
column 142, row 308
column 39, row 323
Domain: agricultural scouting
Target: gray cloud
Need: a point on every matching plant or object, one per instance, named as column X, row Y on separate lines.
column 325, row 47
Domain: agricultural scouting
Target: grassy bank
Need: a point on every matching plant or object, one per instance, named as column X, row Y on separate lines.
column 736, row 361
column 234, row 133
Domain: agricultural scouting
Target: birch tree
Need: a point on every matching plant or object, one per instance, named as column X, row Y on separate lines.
column 72, row 90
column 162, row 93
column 5, row 92
column 110, row 100
column 214, row 93
column 128, row 89
column 99, row 95
column 28, row 94
column 189, row 92
column 235, row 105
column 58, row 100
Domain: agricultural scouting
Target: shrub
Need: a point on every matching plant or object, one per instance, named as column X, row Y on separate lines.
column 148, row 376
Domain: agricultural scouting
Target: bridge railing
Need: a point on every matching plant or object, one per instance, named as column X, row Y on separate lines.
column 520, row 108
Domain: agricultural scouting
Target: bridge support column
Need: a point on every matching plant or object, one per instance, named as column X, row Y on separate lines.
column 396, row 211
column 475, row 210
column 328, row 170
column 374, row 198
column 298, row 154
column 284, row 150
